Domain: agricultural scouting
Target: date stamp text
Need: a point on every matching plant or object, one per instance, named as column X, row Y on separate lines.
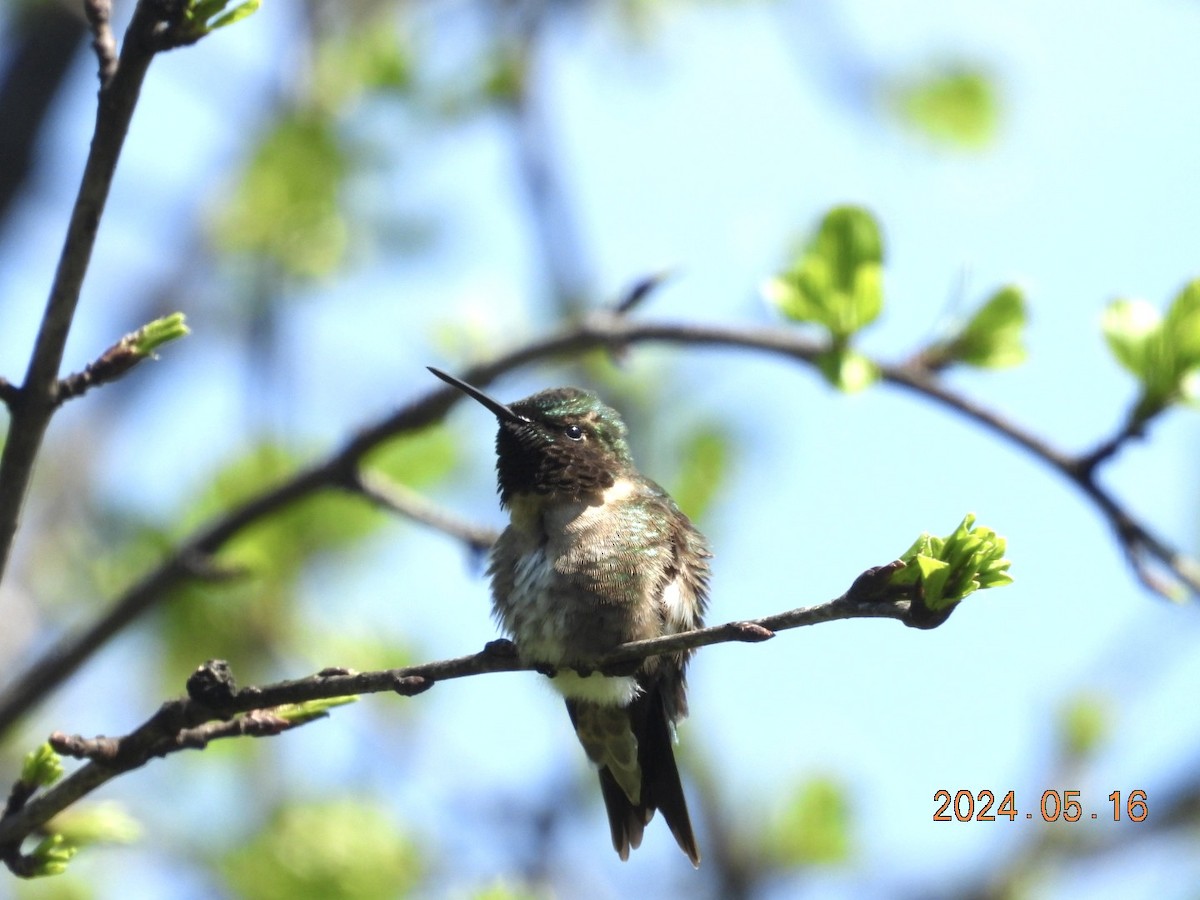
column 981, row 806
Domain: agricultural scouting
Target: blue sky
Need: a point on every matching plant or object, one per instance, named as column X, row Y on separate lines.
column 711, row 148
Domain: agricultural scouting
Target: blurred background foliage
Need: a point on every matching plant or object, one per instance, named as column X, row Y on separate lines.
column 312, row 190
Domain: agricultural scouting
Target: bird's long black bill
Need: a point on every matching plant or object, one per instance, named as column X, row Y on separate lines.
column 498, row 409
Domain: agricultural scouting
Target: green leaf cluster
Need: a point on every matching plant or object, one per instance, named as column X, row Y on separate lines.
column 1162, row 352
column 339, row 850
column 957, row 106
column 367, row 58
column 991, row 338
column 248, row 616
column 813, row 828
column 286, row 208
column 289, row 206
column 948, row 569
column 836, row 282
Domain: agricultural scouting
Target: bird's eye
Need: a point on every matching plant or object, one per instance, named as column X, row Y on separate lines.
column 574, row 432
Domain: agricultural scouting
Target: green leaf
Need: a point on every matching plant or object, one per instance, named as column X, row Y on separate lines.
column 1129, row 326
column 287, row 207
column 992, row 338
column 948, row 569
column 310, row 710
column 847, row 370
column 837, row 281
column 416, row 459
column 42, row 767
column 1182, row 328
column 236, row 14
column 247, row 617
column 97, row 823
column 1083, row 726
column 201, row 11
column 956, row 106
column 1162, row 352
column 849, row 241
column 814, row 827
column 338, row 850
column 706, row 454
column 204, row 16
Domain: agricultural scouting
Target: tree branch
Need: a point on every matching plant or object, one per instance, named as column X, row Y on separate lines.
column 403, row 500
column 35, row 401
column 216, row 708
column 10, row 394
column 122, row 356
column 603, row 330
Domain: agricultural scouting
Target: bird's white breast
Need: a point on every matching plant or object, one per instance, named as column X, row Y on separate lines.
column 542, row 624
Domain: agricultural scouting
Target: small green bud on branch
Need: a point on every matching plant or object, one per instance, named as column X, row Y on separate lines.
column 42, row 767
column 205, row 16
column 51, row 856
column 123, row 356
column 310, row 710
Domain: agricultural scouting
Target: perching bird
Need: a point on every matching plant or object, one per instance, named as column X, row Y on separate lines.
column 595, row 555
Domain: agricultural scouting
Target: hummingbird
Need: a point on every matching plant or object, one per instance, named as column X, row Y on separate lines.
column 595, row 555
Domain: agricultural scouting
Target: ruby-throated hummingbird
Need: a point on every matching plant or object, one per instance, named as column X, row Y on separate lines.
column 595, row 555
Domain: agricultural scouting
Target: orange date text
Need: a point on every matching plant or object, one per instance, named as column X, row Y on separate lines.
column 1054, row 806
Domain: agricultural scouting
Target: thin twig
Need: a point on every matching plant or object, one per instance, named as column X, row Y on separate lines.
column 112, row 364
column 399, row 498
column 10, row 394
column 191, row 723
column 636, row 293
column 1134, row 428
column 99, row 12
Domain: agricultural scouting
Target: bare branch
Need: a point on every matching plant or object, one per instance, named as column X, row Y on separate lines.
column 1134, row 428
column 399, row 498
column 217, row 709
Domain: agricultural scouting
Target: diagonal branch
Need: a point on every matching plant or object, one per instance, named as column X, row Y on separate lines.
column 600, row 331
column 215, row 708
column 404, row 501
